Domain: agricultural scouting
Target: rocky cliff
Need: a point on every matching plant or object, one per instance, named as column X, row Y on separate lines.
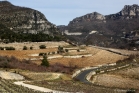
column 128, row 12
column 24, row 20
column 125, row 20
column 110, row 28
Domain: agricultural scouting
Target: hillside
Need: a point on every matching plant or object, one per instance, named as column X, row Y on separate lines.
column 23, row 19
column 109, row 28
column 125, row 20
column 21, row 24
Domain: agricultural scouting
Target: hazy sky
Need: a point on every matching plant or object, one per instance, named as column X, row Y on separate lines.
column 60, row 12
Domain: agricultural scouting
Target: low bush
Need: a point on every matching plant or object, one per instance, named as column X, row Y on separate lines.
column 66, row 50
column 42, row 47
column 31, row 48
column 78, row 50
column 14, row 63
column 42, row 54
column 1, row 48
column 9, row 48
column 25, row 48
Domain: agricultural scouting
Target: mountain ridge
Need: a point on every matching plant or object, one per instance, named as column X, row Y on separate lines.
column 110, row 28
column 23, row 19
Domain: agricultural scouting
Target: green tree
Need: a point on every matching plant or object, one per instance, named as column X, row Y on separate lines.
column 45, row 61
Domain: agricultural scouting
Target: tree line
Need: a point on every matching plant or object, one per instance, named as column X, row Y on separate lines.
column 6, row 35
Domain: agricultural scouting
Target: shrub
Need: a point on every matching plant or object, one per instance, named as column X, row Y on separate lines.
column 9, row 48
column 42, row 54
column 53, row 52
column 42, row 47
column 60, row 49
column 45, row 61
column 66, row 50
column 1, row 48
column 31, row 48
column 25, row 48
column 78, row 50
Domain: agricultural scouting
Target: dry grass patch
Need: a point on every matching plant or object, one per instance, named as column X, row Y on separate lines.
column 128, row 73
column 22, row 54
column 99, row 57
column 41, row 76
column 116, row 81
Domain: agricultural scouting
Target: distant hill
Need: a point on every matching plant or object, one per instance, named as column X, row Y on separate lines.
column 110, row 28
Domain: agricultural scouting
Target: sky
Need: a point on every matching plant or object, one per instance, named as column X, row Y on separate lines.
column 61, row 12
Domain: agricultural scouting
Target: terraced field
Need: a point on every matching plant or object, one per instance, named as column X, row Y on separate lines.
column 74, row 86
column 98, row 56
column 7, row 86
column 125, row 78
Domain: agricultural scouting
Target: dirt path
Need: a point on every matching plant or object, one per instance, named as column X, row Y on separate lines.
column 42, row 89
column 33, row 87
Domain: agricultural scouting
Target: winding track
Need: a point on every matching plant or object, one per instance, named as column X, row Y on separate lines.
column 82, row 76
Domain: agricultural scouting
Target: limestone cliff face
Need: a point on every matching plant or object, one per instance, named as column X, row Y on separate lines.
column 110, row 28
column 123, row 21
column 86, row 22
column 23, row 20
column 88, row 17
column 128, row 12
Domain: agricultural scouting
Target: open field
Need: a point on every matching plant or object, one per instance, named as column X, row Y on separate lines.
column 98, row 56
column 126, row 78
column 85, row 57
column 35, row 45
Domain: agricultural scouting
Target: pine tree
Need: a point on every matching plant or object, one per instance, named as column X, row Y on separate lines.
column 45, row 61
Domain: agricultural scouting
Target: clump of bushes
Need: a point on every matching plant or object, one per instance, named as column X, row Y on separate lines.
column 1, row 48
column 60, row 49
column 42, row 47
column 42, row 54
column 9, row 48
column 14, row 63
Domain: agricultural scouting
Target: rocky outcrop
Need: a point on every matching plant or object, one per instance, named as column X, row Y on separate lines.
column 128, row 12
column 99, row 22
column 88, row 17
column 110, row 28
column 23, row 20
